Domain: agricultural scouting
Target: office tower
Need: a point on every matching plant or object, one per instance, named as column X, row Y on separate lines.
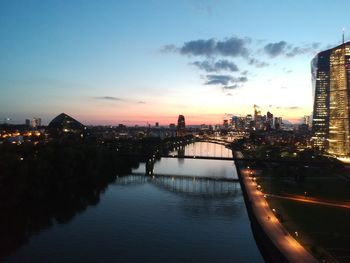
column 181, row 127
column 278, row 123
column 257, row 117
column 27, row 122
column 331, row 79
column 269, row 120
column 320, row 70
column 339, row 143
column 36, row 122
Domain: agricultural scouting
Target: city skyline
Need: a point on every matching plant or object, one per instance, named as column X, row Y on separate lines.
column 120, row 63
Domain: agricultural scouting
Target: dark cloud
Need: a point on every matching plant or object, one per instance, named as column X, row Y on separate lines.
column 229, row 94
column 225, row 81
column 109, row 98
column 218, row 79
column 257, row 63
column 244, row 73
column 290, row 50
column 141, row 102
column 220, row 65
column 275, row 49
column 231, row 47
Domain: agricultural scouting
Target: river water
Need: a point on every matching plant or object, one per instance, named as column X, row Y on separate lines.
column 162, row 219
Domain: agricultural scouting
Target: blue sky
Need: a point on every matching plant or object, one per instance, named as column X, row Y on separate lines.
column 110, row 62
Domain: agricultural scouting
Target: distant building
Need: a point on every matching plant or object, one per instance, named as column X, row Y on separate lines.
column 257, row 117
column 249, row 121
column 269, row 120
column 278, row 123
column 225, row 123
column 35, row 123
column 27, row 122
column 64, row 124
column 181, row 126
column 307, row 121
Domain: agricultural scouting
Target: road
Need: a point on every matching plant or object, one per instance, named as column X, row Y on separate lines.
column 311, row 200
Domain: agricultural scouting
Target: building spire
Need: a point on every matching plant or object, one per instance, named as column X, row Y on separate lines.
column 343, row 34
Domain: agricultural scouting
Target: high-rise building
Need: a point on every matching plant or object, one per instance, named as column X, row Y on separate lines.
column 181, row 127
column 278, row 123
column 306, row 120
column 339, row 94
column 320, row 70
column 36, row 122
column 269, row 120
column 331, row 81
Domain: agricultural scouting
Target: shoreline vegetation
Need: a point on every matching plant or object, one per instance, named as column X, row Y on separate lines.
column 50, row 183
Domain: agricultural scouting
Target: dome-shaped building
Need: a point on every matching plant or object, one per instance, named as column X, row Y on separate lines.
column 64, row 124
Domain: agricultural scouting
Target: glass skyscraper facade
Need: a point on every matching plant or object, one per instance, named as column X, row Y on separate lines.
column 331, row 83
column 320, row 68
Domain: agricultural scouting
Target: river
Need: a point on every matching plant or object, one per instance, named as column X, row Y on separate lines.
column 161, row 219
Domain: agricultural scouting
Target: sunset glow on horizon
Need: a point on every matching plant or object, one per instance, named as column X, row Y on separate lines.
column 140, row 62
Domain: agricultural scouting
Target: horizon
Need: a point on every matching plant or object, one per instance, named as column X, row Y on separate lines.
column 136, row 63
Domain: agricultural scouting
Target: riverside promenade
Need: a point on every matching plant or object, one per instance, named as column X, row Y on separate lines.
column 267, row 222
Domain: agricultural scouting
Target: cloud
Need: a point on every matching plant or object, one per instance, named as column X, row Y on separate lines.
column 286, row 70
column 306, row 49
column 229, row 94
column 257, row 63
column 218, row 79
column 169, row 49
column 109, row 98
column 275, row 49
column 226, row 81
column 289, row 107
column 289, row 50
column 126, row 100
column 230, row 47
column 220, row 65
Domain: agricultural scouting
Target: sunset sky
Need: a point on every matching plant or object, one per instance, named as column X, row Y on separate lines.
column 133, row 62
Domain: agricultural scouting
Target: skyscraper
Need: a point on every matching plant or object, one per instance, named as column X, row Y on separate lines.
column 181, row 127
column 320, row 68
column 339, row 126
column 331, row 81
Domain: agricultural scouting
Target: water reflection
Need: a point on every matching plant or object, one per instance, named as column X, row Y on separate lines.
column 204, row 149
column 190, row 186
column 136, row 218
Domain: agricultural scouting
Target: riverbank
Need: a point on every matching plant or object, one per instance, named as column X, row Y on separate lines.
column 276, row 244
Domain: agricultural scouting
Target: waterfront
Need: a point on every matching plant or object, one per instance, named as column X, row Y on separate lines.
column 139, row 218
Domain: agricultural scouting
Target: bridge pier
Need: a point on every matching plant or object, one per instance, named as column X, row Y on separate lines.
column 149, row 166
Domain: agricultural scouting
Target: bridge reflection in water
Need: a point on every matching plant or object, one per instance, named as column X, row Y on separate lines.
column 187, row 185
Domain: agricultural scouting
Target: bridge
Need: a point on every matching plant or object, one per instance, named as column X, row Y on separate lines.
column 185, row 185
column 198, row 157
